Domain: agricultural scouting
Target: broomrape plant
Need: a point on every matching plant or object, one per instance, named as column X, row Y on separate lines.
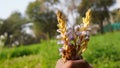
column 74, row 40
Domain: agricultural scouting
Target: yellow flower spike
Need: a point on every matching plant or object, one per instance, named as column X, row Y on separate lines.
column 86, row 21
column 87, row 18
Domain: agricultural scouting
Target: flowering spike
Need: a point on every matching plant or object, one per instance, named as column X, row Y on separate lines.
column 87, row 19
column 74, row 39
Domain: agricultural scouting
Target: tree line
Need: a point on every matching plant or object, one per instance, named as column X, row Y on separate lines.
column 44, row 20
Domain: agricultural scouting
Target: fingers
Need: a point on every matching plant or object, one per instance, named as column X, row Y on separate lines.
column 59, row 63
column 80, row 64
column 73, row 64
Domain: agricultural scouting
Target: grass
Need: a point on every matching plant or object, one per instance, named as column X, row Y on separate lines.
column 103, row 52
column 31, row 61
column 45, row 53
column 7, row 53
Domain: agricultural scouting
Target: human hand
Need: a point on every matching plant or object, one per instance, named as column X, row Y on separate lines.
column 73, row 64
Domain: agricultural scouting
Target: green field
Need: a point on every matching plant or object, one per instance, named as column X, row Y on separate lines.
column 103, row 52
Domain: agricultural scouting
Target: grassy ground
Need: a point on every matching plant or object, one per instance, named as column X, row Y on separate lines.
column 103, row 52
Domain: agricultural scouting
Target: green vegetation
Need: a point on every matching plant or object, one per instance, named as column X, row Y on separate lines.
column 103, row 52
column 7, row 53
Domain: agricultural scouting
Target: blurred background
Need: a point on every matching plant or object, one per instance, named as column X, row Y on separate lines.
column 28, row 32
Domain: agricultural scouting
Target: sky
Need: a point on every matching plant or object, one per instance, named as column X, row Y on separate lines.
column 117, row 5
column 9, row 6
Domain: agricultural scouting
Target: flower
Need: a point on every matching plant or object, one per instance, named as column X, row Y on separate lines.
column 60, row 42
column 74, row 40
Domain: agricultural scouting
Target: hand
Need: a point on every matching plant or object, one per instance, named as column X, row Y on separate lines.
column 73, row 64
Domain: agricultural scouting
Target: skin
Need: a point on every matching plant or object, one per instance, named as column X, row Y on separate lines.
column 73, row 64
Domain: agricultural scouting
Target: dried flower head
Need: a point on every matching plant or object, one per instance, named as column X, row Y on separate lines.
column 74, row 39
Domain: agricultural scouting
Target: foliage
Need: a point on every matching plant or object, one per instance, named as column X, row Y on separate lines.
column 30, row 61
column 100, row 10
column 45, row 51
column 116, row 15
column 12, row 23
column 103, row 52
column 44, row 20
column 19, row 51
column 12, row 27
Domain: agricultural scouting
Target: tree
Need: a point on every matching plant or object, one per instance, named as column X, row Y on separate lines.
column 1, row 23
column 44, row 20
column 100, row 10
column 12, row 26
column 116, row 15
